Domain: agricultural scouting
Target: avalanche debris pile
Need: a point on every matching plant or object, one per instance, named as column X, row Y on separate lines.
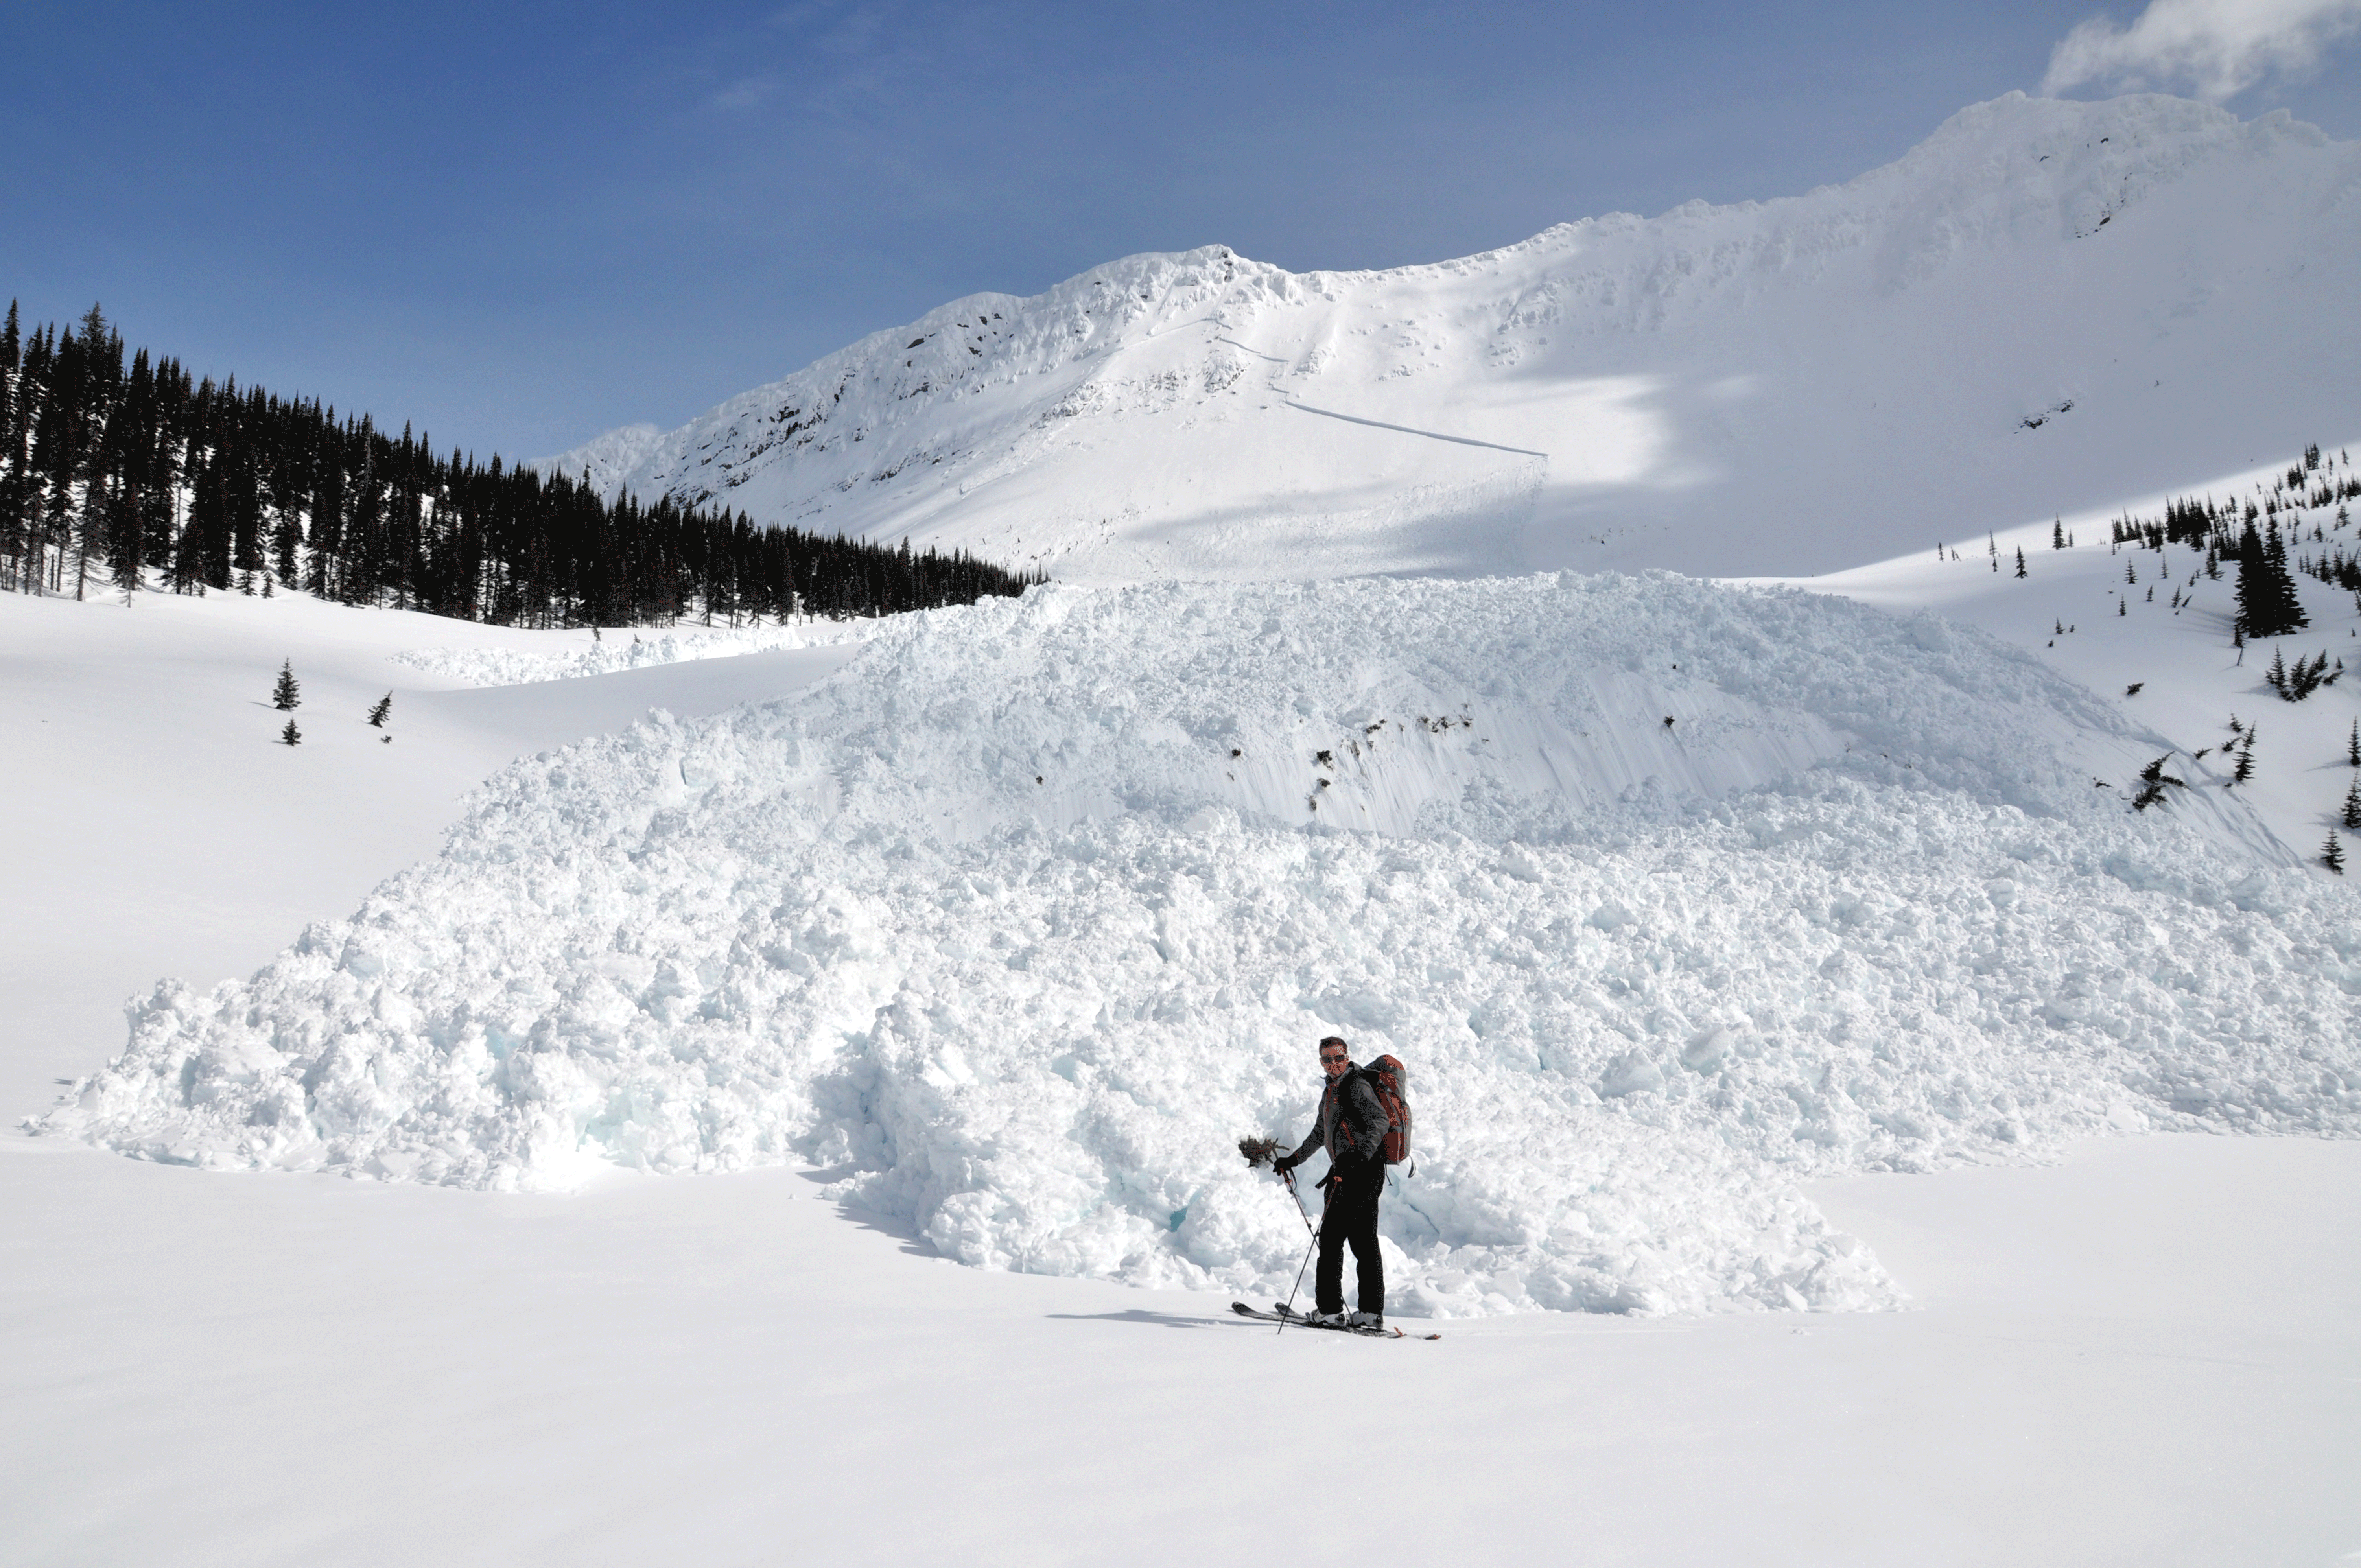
column 1670, row 894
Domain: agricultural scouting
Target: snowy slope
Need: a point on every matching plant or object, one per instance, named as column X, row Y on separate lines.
column 175, row 836
column 2044, row 306
column 2147, row 632
column 1024, row 916
column 2142, row 1354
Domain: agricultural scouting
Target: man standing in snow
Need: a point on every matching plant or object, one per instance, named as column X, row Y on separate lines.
column 1352, row 1128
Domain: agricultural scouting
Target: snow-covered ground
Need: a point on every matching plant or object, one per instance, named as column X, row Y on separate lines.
column 484, row 663
column 2145, row 1355
column 1674, row 891
column 2192, row 680
column 682, row 1007
column 266, row 1369
column 2042, row 306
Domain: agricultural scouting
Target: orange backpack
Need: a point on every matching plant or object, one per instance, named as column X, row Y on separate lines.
column 1390, row 1079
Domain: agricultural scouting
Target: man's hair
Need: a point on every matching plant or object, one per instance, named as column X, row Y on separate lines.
column 1332, row 1040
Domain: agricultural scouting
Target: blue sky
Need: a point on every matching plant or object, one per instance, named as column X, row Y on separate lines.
column 518, row 225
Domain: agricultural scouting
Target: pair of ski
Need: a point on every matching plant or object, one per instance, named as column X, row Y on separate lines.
column 1290, row 1317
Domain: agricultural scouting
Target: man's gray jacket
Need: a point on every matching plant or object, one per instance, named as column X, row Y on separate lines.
column 1348, row 1108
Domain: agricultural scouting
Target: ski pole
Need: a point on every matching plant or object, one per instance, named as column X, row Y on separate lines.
column 1288, row 1176
column 1299, row 1275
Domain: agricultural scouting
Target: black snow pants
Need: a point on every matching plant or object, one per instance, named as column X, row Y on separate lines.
column 1352, row 1216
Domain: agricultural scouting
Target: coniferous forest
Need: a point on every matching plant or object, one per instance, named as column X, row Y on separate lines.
column 129, row 476
column 2268, row 604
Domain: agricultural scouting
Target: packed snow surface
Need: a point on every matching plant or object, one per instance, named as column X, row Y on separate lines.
column 495, row 665
column 2043, row 307
column 1028, row 914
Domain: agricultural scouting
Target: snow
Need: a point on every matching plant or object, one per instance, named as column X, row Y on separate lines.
column 1027, row 914
column 2192, row 680
column 1786, row 387
column 1775, row 1066
column 175, row 836
column 478, row 665
column 2143, row 1354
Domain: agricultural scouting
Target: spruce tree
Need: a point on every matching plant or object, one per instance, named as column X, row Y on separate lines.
column 2020, row 560
column 2279, row 583
column 290, row 736
column 2268, row 604
column 2331, row 854
column 286, row 695
column 2057, row 534
column 379, row 710
column 2353, row 805
column 2352, row 746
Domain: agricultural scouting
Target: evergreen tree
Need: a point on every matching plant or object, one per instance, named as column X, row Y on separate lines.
column 2353, row 805
column 2246, row 767
column 2020, row 560
column 2282, row 582
column 2268, row 604
column 379, row 710
column 2056, row 534
column 286, row 695
column 290, row 736
column 2331, row 854
column 2352, row 746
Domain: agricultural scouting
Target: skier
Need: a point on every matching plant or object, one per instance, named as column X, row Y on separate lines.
column 1352, row 1128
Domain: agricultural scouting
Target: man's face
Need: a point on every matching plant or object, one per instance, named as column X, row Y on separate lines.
column 1333, row 1060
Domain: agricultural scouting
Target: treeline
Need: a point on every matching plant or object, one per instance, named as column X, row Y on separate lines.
column 137, row 476
column 2256, row 532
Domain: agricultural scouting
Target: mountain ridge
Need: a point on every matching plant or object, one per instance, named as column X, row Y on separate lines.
column 1683, row 391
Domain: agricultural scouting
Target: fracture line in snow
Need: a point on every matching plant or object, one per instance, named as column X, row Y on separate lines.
column 1408, row 430
column 1288, row 399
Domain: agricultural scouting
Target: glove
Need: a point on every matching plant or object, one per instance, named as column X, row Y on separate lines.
column 1283, row 1163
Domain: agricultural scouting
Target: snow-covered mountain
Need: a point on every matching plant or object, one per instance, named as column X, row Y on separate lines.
column 2044, row 306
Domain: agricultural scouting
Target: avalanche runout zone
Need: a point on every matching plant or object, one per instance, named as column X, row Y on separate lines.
column 1024, row 918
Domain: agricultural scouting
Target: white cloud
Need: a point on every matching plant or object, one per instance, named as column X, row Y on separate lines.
column 2216, row 49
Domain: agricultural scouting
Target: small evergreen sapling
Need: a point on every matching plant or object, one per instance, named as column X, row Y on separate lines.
column 2020, row 560
column 2331, row 854
column 290, row 736
column 286, row 697
column 2353, row 805
column 379, row 710
column 2153, row 780
column 2352, row 746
